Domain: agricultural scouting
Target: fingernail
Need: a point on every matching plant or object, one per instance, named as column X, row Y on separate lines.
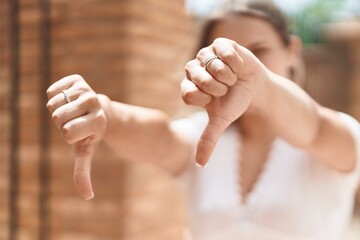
column 91, row 196
column 200, row 166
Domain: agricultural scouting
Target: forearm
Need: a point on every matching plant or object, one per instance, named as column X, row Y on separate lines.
column 142, row 134
column 290, row 111
column 297, row 118
column 287, row 109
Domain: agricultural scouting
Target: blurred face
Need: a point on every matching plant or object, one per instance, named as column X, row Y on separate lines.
column 260, row 37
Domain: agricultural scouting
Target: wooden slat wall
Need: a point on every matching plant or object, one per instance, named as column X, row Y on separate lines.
column 328, row 76
column 332, row 80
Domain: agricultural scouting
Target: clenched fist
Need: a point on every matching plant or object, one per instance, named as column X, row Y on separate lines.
column 225, row 79
column 77, row 113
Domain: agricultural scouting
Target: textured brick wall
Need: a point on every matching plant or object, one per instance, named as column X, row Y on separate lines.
column 4, row 120
column 132, row 51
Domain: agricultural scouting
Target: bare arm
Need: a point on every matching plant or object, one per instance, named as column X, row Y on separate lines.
column 137, row 133
column 237, row 81
column 85, row 118
column 296, row 117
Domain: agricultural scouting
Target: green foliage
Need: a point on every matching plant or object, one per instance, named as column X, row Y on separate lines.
column 307, row 22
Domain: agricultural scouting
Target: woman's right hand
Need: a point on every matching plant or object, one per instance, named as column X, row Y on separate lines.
column 78, row 114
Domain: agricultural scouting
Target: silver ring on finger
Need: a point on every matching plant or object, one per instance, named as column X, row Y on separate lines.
column 209, row 60
column 66, row 96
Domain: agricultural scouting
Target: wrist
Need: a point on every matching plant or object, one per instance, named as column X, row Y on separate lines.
column 261, row 97
column 105, row 104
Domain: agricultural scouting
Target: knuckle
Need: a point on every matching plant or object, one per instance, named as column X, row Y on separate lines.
column 77, row 77
column 68, row 134
column 232, row 79
column 56, row 117
column 220, row 91
column 187, row 73
column 92, row 100
column 50, row 106
column 188, row 97
column 88, row 102
column 231, row 42
column 219, row 40
column 189, row 65
column 218, row 68
column 49, row 92
column 192, row 98
column 205, row 85
column 81, row 86
column 228, row 55
column 183, row 84
column 223, row 40
column 224, row 90
column 101, row 120
column 202, row 53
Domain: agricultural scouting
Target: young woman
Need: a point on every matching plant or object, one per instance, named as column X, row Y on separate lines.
column 278, row 165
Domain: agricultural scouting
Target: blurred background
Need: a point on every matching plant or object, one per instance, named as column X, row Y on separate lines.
column 133, row 51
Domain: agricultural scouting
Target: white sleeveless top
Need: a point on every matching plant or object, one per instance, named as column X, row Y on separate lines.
column 295, row 197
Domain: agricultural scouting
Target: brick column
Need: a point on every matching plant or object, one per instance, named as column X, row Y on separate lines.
column 133, row 51
column 5, row 118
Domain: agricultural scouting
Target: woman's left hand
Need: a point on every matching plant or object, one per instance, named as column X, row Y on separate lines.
column 225, row 79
